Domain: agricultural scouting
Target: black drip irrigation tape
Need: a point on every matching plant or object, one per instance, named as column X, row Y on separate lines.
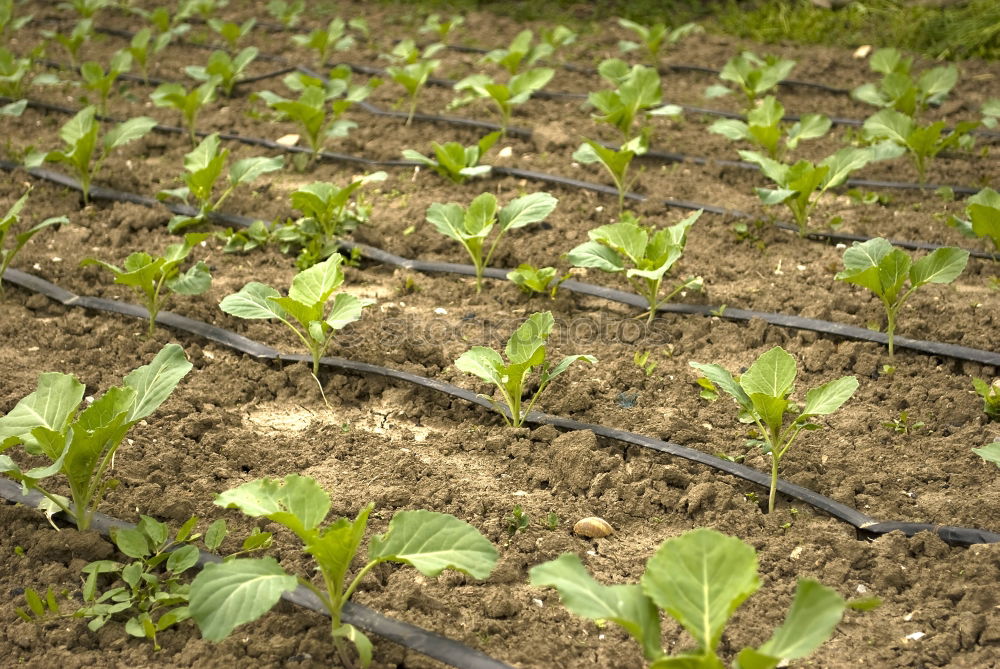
column 783, row 320
column 410, row 636
column 865, row 524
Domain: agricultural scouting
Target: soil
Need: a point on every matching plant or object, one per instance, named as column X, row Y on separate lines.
column 234, row 419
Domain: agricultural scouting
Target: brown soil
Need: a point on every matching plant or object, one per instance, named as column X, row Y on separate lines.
column 235, row 419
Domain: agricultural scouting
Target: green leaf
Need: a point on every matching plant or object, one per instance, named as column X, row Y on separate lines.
column 730, row 128
column 248, row 169
column 432, row 542
column 721, row 378
column 772, row 374
column 625, row 605
column 990, row 453
column 253, row 301
column 830, row 396
column 700, row 578
column 51, row 406
column 525, row 210
column 888, row 124
column 814, row 614
column 484, row 363
column 943, row 265
column 346, row 309
column 195, row 281
column 448, row 219
column 566, row 362
column 337, row 545
column 596, row 255
column 526, row 345
column 133, row 543
column 227, row 594
column 128, row 131
column 361, row 642
column 626, row 238
column 182, row 559
column 298, row 503
column 312, row 287
column 215, row 534
column 771, row 409
column 154, row 382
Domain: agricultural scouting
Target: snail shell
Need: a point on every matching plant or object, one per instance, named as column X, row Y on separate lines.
column 592, row 528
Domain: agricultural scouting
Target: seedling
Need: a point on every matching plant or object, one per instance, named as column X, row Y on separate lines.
column 231, row 32
column 471, row 226
column 441, row 27
column 521, row 53
column 188, row 103
column 652, row 38
column 84, row 8
column 641, row 360
column 699, row 579
column 899, row 90
column 84, row 153
column 101, row 82
column 81, row 33
column 414, row 70
column 324, row 40
column 308, row 310
column 990, row 392
column 517, row 521
column 531, row 279
column 983, row 210
column 558, row 36
column 12, row 73
column 526, row 349
column 9, row 22
column 884, row 270
column 231, row 593
column 989, row 453
column 203, row 166
column 81, row 445
column 287, row 14
column 515, row 92
column 922, row 142
column 616, row 162
column 7, row 223
column 552, row 521
column 637, row 96
column 454, row 161
column 752, row 75
column 642, row 254
column 201, row 8
column 256, row 235
column 762, row 394
column 765, row 129
column 903, row 424
column 154, row 276
column 225, row 69
column 142, row 47
column 802, row 184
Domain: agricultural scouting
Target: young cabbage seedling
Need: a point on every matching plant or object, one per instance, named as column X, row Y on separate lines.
column 470, row 227
column 558, row 36
column 922, row 142
column 12, row 73
column 442, row 27
column 85, row 8
column 414, row 69
column 899, row 90
column 188, row 103
column 324, row 40
column 515, row 92
column 638, row 94
column 764, row 127
column 652, row 38
column 456, row 162
column 231, row 593
column 231, row 32
column 762, row 394
column 10, row 22
column 752, row 75
column 884, row 270
column 615, row 161
column 7, row 223
column 84, row 153
column 287, row 14
column 143, row 47
column 224, row 68
column 203, row 166
column 990, row 392
column 526, row 349
column 81, row 445
column 520, row 53
column 531, row 279
column 651, row 254
column 154, row 276
column 699, row 579
column 983, row 210
column 82, row 32
column 308, row 310
column 101, row 82
column 802, row 184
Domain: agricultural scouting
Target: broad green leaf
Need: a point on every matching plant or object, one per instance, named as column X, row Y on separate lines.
column 154, row 382
column 814, row 614
column 990, row 453
column 888, row 124
column 314, row 285
column 195, row 281
column 525, row 210
column 943, row 265
column 346, row 309
column 770, row 196
column 771, row 409
column 526, row 344
column 253, row 302
column 810, row 126
column 227, row 594
column 842, row 163
column 432, row 542
column 772, row 374
column 625, row 605
column 730, row 128
column 829, row 397
column 132, row 543
column 298, row 502
column 479, row 217
column 248, row 169
column 700, row 578
column 482, row 362
column 50, row 406
column 79, row 127
column 893, row 270
column 721, row 377
column 128, row 131
column 448, row 219
column 566, row 362
column 599, row 256
column 626, row 238
column 182, row 559
column 335, row 547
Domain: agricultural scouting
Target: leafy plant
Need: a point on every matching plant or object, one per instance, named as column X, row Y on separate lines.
column 616, row 162
column 7, row 19
column 84, row 153
column 921, row 142
column 471, row 226
column 989, row 453
column 154, row 276
column 505, row 96
column 287, row 14
column 884, row 270
column 81, row 33
column 188, row 102
column 699, row 579
column 201, row 8
column 801, row 185
column 903, row 424
column 764, row 127
column 308, row 309
column 557, row 36
column 642, row 254
column 652, row 38
column 751, row 75
column 983, row 210
column 84, row 8
column 641, row 360
column 526, row 349
column 81, row 445
column 531, row 279
column 101, row 82
column 12, row 73
column 323, row 40
column 517, row 521
column 762, row 394
column 990, row 392
column 520, row 53
column 638, row 94
column 203, row 166
column 143, row 47
column 232, row 32
column 223, row 68
column 7, row 223
column 454, row 161
column 441, row 27
column 231, row 593
column 899, row 90
column 414, row 69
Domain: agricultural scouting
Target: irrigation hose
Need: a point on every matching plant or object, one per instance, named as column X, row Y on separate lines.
column 865, row 524
column 410, row 636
